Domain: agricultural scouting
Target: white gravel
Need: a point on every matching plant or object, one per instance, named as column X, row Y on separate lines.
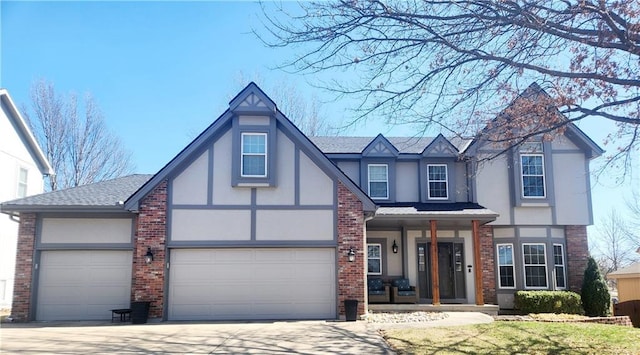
column 404, row 317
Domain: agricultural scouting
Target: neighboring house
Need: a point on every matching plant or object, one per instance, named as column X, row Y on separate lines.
column 22, row 170
column 253, row 220
column 628, row 280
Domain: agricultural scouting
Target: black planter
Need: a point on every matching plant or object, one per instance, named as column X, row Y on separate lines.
column 351, row 310
column 140, row 312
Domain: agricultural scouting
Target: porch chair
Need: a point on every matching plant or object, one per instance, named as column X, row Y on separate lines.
column 403, row 292
column 378, row 291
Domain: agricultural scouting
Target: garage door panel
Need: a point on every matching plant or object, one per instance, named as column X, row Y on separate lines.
column 83, row 284
column 274, row 283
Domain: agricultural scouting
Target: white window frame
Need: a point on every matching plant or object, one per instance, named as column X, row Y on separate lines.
column 525, row 265
column 563, row 266
column 379, row 245
column 22, row 184
column 243, row 154
column 446, row 182
column 386, row 181
column 532, row 149
column 512, row 265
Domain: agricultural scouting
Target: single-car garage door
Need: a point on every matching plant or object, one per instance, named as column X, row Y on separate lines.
column 278, row 283
column 83, row 284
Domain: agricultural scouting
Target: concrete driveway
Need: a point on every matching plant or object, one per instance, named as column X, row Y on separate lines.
column 304, row 337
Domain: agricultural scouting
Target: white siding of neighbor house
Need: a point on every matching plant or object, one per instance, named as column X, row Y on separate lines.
column 284, row 191
column 571, row 189
column 86, row 230
column 190, row 187
column 306, row 224
column 316, row 187
column 211, row 225
column 492, row 188
column 351, row 169
column 407, row 185
column 223, row 192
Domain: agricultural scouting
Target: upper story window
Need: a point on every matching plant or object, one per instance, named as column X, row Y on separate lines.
column 379, row 181
column 22, row 183
column 532, row 170
column 374, row 259
column 535, row 265
column 254, row 155
column 437, row 181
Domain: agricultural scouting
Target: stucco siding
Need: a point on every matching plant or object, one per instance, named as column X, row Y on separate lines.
column 561, row 142
column 190, row 187
column 532, row 215
column 571, row 189
column 295, row 225
column 459, row 186
column 86, row 230
column 198, row 225
column 284, row 191
column 351, row 169
column 254, row 120
column 407, row 185
column 223, row 192
column 316, row 188
column 493, row 191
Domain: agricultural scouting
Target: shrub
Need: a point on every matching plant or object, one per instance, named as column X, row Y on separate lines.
column 548, row 302
column 595, row 294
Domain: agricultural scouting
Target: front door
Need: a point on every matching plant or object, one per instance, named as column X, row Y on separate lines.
column 450, row 271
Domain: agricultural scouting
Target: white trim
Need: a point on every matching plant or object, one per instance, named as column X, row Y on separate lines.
column 513, row 266
column 446, row 182
column 379, row 245
column 546, row 271
column 564, row 266
column 243, row 154
column 386, row 181
column 544, row 177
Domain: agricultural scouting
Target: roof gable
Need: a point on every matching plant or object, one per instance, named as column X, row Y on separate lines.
column 440, row 147
column 252, row 100
column 23, row 130
column 380, row 147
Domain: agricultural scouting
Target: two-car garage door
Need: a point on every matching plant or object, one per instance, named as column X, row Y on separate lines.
column 264, row 283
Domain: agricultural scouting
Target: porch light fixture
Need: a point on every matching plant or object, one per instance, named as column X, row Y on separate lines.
column 148, row 257
column 351, row 255
column 394, row 247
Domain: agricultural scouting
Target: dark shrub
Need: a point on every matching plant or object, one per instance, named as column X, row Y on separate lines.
column 548, row 302
column 595, row 294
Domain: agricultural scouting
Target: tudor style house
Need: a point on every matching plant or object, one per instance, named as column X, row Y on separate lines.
column 254, row 220
column 23, row 166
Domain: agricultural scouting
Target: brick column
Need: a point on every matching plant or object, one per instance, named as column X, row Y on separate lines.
column 577, row 254
column 487, row 254
column 151, row 230
column 351, row 229
column 24, row 268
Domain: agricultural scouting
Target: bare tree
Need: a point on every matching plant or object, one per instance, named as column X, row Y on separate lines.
column 304, row 112
column 456, row 65
column 633, row 205
column 79, row 146
column 614, row 248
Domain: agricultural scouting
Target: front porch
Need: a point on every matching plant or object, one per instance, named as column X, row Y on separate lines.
column 489, row 309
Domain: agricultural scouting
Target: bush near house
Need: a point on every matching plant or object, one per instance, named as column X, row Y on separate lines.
column 595, row 294
column 548, row 302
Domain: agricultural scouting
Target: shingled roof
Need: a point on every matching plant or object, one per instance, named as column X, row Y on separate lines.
column 100, row 196
column 355, row 145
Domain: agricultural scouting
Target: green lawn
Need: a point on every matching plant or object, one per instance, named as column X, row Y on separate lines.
column 517, row 338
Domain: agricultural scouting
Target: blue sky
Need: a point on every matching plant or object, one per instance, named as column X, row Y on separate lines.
column 163, row 71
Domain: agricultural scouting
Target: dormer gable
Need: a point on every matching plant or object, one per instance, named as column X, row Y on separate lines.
column 440, row 147
column 252, row 100
column 380, row 147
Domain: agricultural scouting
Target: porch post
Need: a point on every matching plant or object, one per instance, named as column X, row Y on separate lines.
column 477, row 261
column 435, row 284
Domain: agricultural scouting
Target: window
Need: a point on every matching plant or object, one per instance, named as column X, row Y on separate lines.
column 535, row 265
column 22, row 183
column 254, row 155
column 532, row 164
column 437, row 181
column 374, row 259
column 558, row 264
column 379, row 181
column 505, row 266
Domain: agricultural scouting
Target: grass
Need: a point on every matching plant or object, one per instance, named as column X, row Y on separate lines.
column 517, row 338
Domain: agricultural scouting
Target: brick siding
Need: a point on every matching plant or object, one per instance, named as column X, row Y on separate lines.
column 150, row 232
column 577, row 254
column 487, row 254
column 24, row 268
column 351, row 275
